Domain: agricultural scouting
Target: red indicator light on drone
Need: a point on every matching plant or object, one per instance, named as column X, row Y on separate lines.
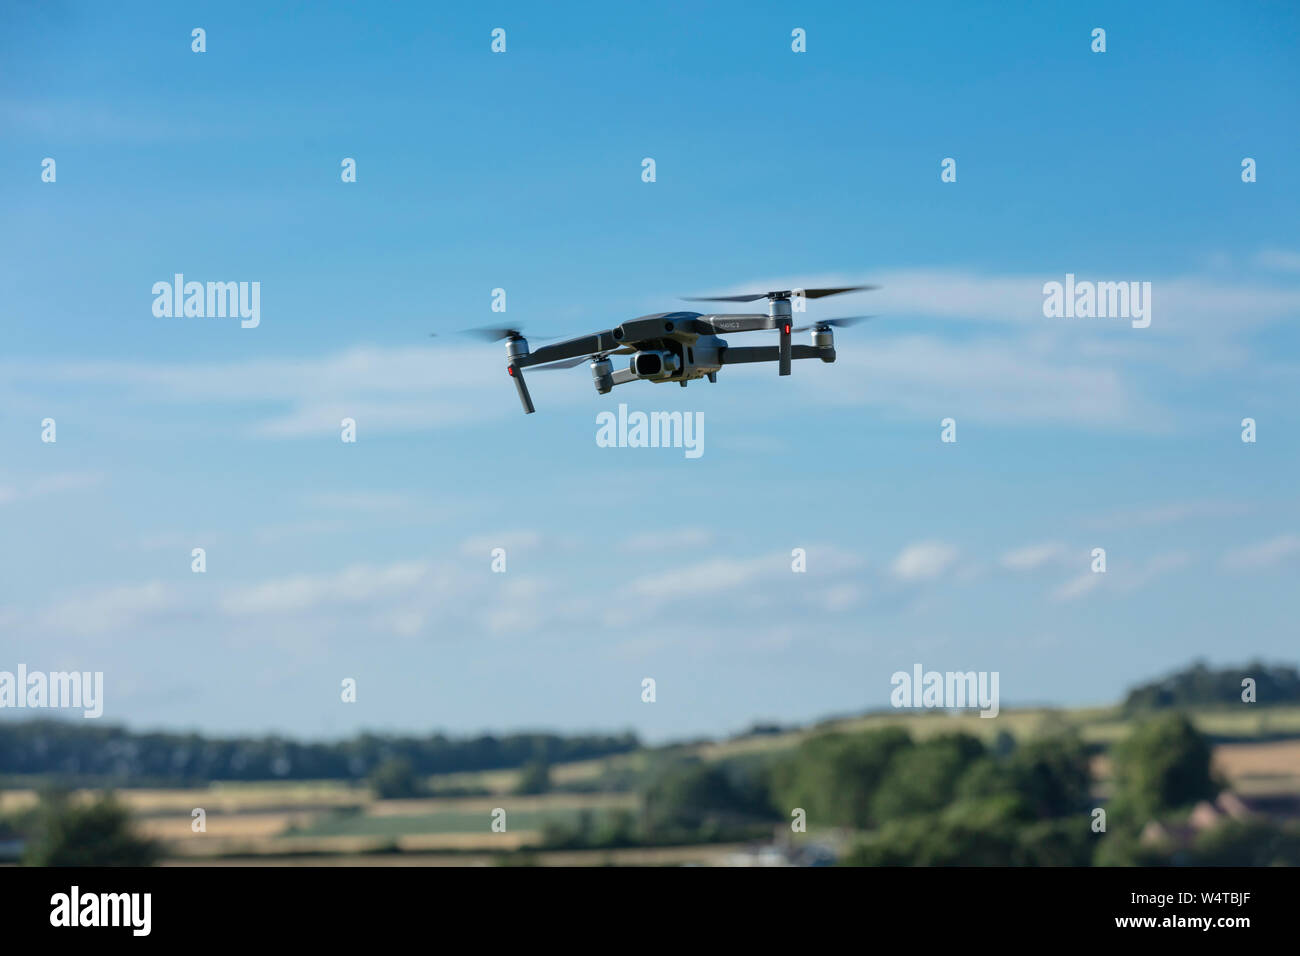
column 511, row 370
column 786, row 329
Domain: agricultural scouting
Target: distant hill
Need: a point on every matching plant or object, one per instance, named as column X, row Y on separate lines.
column 82, row 750
column 91, row 753
column 1199, row 685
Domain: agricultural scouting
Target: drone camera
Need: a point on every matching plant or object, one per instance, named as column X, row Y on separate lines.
column 653, row 364
column 602, row 373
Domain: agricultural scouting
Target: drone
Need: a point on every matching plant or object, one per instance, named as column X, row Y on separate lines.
column 679, row 346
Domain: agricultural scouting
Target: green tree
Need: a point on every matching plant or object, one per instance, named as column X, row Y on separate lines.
column 1049, row 776
column 975, row 833
column 923, row 778
column 834, row 776
column 617, row 828
column 703, row 799
column 394, row 779
column 534, row 778
column 1163, row 765
column 69, row 833
column 926, row 840
column 1197, row 685
column 1053, row 774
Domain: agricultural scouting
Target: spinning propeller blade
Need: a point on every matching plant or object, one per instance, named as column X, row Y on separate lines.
column 490, row 333
column 842, row 322
column 787, row 294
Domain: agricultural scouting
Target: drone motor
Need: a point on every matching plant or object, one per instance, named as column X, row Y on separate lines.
column 602, row 373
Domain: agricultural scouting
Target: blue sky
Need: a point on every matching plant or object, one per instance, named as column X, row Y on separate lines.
column 522, row 171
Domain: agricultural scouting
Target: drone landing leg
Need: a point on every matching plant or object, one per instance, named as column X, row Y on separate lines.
column 522, row 388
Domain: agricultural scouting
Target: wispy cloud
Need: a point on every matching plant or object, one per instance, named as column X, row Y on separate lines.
column 1171, row 513
column 1016, row 368
column 1263, row 554
column 923, row 561
column 1034, row 556
column 1281, row 260
column 1124, row 580
column 51, row 484
column 358, row 584
column 110, row 609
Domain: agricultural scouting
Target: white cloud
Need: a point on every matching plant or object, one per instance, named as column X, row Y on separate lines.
column 1034, row 556
column 1124, row 579
column 670, row 539
column 840, row 597
column 514, row 541
column 993, row 380
column 383, row 389
column 1264, row 554
column 109, row 609
column 56, row 483
column 715, row 575
column 1155, row 567
column 305, row 592
column 1282, row 260
column 1078, row 586
column 923, row 561
column 1172, row 513
column 359, row 501
column 1011, row 366
column 1181, row 303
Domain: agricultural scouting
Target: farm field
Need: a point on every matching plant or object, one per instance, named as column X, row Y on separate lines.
column 338, row 822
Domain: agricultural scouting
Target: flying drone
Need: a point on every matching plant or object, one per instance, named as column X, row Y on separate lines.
column 679, row 346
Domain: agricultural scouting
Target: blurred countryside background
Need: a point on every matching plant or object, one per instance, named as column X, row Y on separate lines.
column 1182, row 772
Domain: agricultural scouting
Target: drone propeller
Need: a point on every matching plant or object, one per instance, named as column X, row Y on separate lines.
column 787, row 294
column 842, row 322
column 489, row 333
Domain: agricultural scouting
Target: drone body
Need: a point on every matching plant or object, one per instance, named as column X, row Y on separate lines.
column 679, row 346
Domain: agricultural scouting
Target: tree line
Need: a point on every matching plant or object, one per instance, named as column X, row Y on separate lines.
column 90, row 753
column 1199, row 685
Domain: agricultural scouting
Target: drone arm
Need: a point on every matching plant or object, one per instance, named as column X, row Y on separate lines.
column 571, row 348
column 740, row 355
